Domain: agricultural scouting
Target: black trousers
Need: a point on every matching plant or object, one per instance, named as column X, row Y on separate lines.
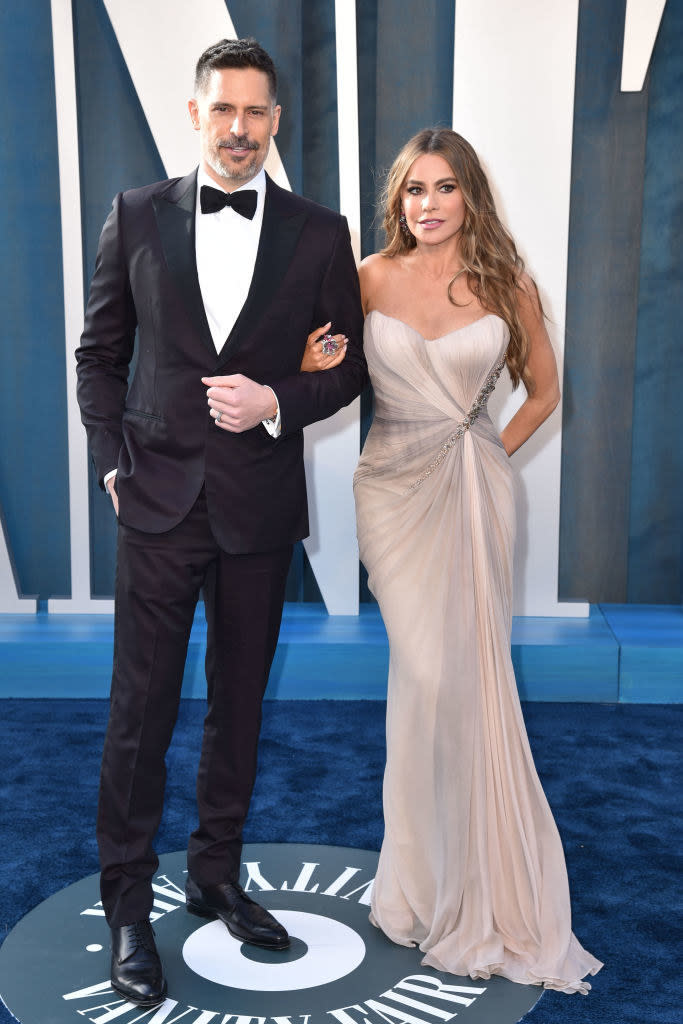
column 158, row 581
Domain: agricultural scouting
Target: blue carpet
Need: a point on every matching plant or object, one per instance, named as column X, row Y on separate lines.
column 609, row 772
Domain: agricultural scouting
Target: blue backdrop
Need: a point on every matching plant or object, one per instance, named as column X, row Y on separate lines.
column 622, row 495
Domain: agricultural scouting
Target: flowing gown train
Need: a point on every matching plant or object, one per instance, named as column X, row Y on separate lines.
column 472, row 867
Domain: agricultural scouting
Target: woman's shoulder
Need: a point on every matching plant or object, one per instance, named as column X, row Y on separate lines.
column 526, row 283
column 376, row 269
column 373, row 272
column 528, row 299
column 376, row 263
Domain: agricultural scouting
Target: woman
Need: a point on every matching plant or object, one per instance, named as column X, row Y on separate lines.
column 471, row 867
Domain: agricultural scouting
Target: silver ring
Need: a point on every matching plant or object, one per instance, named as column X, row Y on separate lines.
column 218, row 417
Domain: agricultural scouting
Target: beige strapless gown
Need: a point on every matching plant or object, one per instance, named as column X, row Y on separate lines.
column 471, row 867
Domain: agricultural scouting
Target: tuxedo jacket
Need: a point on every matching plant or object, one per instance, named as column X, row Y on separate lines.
column 155, row 428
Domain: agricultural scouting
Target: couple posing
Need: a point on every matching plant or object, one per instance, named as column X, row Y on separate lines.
column 229, row 283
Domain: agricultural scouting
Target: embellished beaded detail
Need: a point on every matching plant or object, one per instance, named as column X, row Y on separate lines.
column 452, row 439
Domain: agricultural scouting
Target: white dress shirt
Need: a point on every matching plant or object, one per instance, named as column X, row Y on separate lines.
column 225, row 247
column 226, row 244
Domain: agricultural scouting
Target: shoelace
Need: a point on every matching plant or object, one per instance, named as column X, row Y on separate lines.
column 142, row 936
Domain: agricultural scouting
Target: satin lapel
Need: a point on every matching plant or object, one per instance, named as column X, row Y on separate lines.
column 280, row 232
column 174, row 211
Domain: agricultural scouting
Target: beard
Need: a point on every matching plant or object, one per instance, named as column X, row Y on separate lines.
column 243, row 171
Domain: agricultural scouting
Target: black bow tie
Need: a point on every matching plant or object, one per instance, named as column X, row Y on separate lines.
column 212, row 200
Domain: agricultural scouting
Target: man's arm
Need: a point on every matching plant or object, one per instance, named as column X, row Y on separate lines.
column 304, row 397
column 106, row 348
column 308, row 397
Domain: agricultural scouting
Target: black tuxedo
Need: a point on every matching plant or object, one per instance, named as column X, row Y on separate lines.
column 160, row 434
column 198, row 506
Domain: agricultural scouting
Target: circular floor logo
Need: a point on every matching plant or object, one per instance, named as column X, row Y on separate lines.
column 337, row 970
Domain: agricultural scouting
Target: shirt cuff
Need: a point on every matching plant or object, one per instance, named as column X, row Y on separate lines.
column 273, row 425
column 108, row 476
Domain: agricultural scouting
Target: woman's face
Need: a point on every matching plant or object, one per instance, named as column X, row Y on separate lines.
column 432, row 201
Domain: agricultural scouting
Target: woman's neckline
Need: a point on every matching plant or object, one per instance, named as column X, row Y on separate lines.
column 440, row 337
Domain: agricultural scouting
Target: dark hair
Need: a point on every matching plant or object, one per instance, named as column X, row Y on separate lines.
column 235, row 53
column 489, row 255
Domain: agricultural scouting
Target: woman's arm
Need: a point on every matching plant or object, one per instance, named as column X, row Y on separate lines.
column 543, row 369
column 314, row 358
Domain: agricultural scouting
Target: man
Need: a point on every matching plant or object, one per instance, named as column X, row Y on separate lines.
column 203, row 456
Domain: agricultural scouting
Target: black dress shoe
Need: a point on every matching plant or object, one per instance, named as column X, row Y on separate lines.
column 244, row 919
column 136, row 971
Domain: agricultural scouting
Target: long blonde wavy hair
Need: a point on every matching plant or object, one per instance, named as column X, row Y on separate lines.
column 489, row 256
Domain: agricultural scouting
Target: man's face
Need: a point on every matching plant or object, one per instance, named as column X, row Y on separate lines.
column 236, row 118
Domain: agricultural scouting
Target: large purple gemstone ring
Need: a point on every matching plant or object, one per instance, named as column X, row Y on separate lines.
column 330, row 346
